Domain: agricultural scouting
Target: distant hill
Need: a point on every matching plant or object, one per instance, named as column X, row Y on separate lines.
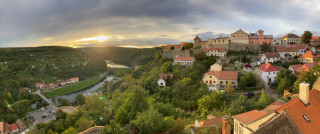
column 121, row 55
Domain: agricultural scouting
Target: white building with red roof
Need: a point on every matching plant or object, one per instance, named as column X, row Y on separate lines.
column 219, row 79
column 268, row 72
column 221, row 52
column 270, row 57
column 299, row 68
column 162, row 79
column 186, row 61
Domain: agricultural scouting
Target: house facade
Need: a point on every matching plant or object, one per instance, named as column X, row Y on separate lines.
column 315, row 41
column 278, row 41
column 220, row 52
column 268, row 72
column 291, row 39
column 239, row 37
column 259, row 38
column 185, row 61
column 218, row 41
column 289, row 53
column 310, row 57
column 216, row 67
column 219, row 79
column 270, row 57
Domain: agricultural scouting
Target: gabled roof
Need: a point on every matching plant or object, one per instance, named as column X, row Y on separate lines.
column 296, row 109
column 310, row 55
column 272, row 55
column 184, row 58
column 247, row 65
column 240, row 31
column 268, row 68
column 291, row 36
column 251, row 116
column 282, row 124
column 197, row 38
column 220, row 49
column 224, row 75
column 13, row 126
column 298, row 46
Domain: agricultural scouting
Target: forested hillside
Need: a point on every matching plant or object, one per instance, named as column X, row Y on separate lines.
column 22, row 68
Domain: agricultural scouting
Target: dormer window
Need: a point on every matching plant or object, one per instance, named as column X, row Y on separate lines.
column 306, row 118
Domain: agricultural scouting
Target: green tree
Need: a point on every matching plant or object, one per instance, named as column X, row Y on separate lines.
column 241, row 104
column 178, row 128
column 80, row 99
column 151, row 121
column 266, row 47
column 243, row 83
column 213, row 101
column 306, row 37
column 21, row 107
column 166, row 67
column 70, row 130
column 284, row 80
column 200, row 56
column 59, row 126
column 83, row 123
column 229, row 88
column 172, row 47
column 265, row 100
column 64, row 102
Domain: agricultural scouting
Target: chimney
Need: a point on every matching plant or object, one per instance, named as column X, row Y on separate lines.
column 226, row 128
column 304, row 93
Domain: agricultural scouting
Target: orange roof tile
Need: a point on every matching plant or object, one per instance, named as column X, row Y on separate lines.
column 250, row 116
column 296, row 109
column 268, row 68
column 184, row 58
column 224, row 75
column 167, row 47
column 310, row 55
column 301, row 68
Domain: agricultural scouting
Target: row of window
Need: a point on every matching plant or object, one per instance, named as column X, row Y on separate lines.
column 221, row 82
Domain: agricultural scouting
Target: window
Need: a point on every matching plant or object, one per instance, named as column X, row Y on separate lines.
column 221, row 82
column 306, row 118
column 210, row 76
column 214, row 81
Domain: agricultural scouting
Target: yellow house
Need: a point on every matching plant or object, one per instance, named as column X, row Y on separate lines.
column 249, row 122
column 240, row 37
column 218, row 41
column 309, row 57
column 219, row 79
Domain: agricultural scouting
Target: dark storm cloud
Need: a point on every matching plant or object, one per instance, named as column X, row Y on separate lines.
column 28, row 21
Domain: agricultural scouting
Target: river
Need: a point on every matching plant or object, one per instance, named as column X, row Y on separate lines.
column 87, row 92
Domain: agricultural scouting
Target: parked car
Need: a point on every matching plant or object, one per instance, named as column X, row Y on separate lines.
column 249, row 95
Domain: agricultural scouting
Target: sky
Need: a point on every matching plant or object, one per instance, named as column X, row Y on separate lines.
column 91, row 23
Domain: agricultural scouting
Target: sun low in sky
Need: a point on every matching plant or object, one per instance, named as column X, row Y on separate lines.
column 100, row 38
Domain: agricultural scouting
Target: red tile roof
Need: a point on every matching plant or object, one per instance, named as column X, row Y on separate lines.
column 268, row 68
column 247, row 65
column 250, row 116
column 301, row 68
column 184, row 58
column 274, row 105
column 209, row 122
column 298, row 46
column 291, row 36
column 197, row 38
column 272, row 55
column 224, row 75
column 13, row 127
column 310, row 55
column 296, row 109
column 168, row 47
column 220, row 49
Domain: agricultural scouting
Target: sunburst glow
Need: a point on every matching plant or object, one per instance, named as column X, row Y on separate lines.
column 98, row 38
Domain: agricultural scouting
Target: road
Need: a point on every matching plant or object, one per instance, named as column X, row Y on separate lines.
column 270, row 92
